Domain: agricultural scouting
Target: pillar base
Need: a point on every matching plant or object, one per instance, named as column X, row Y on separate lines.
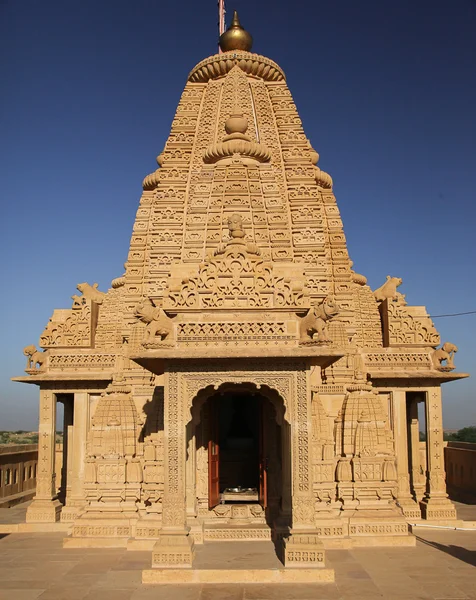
column 435, row 509
column 303, row 549
column 173, row 550
column 72, row 511
column 410, row 508
column 44, row 511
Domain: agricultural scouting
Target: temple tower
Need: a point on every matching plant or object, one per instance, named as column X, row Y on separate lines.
column 240, row 353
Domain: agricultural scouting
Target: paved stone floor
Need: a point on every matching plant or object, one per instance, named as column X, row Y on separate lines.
column 442, row 566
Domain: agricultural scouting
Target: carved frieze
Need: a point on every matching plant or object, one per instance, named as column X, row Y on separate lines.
column 405, row 325
column 72, row 328
column 235, row 276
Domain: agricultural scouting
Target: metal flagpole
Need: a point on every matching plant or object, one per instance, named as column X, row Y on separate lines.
column 221, row 19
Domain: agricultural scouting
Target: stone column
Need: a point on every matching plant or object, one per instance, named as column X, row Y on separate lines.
column 417, row 479
column 45, row 507
column 410, row 508
column 174, row 548
column 66, row 467
column 75, row 500
column 287, row 467
column 435, row 505
column 302, row 548
column 191, row 471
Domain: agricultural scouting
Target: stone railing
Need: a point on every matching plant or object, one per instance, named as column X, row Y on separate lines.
column 460, row 463
column 18, row 466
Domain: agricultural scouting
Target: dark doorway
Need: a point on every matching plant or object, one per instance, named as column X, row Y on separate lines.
column 239, row 447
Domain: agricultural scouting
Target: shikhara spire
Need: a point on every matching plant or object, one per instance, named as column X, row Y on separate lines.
column 239, row 291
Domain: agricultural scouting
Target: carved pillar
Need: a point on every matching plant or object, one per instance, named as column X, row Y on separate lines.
column 405, row 499
column 75, row 499
column 287, row 466
column 435, row 504
column 191, row 470
column 174, row 548
column 302, row 548
column 66, row 466
column 417, row 476
column 45, row 507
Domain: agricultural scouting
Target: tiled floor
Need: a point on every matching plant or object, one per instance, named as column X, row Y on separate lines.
column 442, row 566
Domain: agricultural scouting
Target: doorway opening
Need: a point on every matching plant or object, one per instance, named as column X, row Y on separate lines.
column 237, row 420
column 243, row 440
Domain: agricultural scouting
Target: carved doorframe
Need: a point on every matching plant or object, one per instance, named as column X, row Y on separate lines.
column 184, row 380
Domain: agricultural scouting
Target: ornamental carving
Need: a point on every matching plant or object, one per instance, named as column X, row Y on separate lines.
column 75, row 327
column 89, row 292
column 36, row 359
column 405, row 325
column 235, row 276
column 251, row 64
column 313, row 327
column 159, row 327
column 443, row 357
column 236, row 144
column 389, row 290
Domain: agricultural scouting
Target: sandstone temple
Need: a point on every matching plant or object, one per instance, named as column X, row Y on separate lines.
column 240, row 381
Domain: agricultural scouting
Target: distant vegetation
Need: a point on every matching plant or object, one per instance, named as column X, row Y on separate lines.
column 24, row 437
column 467, row 434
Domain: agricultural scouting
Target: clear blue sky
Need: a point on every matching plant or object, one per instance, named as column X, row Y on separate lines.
column 387, row 94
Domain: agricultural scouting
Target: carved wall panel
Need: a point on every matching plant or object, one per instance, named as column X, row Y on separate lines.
column 405, row 325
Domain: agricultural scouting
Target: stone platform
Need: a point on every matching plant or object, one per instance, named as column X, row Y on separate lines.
column 35, row 566
column 237, row 562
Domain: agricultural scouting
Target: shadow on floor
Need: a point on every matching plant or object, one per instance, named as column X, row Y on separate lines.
column 467, row 556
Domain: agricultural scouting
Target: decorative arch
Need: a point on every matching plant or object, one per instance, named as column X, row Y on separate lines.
column 272, row 394
column 184, row 380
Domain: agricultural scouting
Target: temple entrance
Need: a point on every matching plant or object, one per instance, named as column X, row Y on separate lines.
column 235, row 453
column 241, row 437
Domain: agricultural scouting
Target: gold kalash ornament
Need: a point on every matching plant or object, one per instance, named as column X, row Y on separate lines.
column 235, row 37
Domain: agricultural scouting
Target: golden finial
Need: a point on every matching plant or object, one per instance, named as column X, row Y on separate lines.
column 235, row 37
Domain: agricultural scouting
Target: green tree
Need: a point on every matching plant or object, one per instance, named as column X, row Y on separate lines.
column 467, row 434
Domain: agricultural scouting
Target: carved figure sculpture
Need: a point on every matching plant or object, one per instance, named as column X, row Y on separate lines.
column 315, row 322
column 389, row 290
column 444, row 354
column 35, row 358
column 78, row 301
column 90, row 292
column 235, row 226
column 159, row 325
column 237, row 235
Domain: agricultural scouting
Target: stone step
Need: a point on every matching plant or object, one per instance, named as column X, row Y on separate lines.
column 233, row 533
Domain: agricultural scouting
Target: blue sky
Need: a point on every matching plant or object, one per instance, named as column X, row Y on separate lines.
column 387, row 95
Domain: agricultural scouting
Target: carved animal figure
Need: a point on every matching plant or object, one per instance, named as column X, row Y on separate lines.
column 159, row 325
column 445, row 353
column 389, row 289
column 90, row 292
column 36, row 358
column 313, row 327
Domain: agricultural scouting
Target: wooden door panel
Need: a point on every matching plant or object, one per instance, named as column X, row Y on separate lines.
column 263, row 459
column 213, row 458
